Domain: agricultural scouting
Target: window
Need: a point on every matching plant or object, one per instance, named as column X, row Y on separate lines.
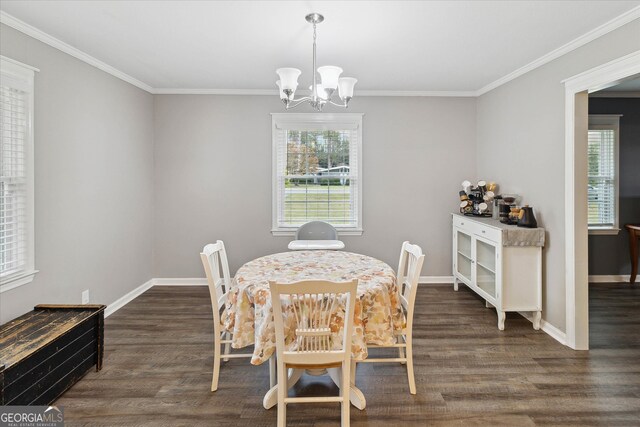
column 603, row 174
column 16, row 174
column 317, row 171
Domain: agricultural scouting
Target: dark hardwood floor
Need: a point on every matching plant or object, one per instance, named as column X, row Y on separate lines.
column 158, row 358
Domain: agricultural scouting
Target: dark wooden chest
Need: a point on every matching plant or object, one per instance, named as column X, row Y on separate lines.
column 44, row 352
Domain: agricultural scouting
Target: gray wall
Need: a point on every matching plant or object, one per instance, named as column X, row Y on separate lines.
column 213, row 177
column 93, row 181
column 521, row 146
column 610, row 254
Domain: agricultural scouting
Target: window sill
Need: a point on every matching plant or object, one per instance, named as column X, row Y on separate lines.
column 612, row 231
column 292, row 232
column 17, row 281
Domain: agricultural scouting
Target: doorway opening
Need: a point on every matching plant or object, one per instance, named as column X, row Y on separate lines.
column 577, row 90
column 613, row 193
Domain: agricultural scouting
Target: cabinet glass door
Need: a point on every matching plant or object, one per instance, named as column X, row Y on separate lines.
column 463, row 254
column 486, row 267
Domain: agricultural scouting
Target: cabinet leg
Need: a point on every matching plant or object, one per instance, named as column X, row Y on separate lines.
column 501, row 318
column 455, row 284
column 536, row 320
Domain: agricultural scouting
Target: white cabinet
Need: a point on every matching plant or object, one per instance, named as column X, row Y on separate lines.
column 504, row 269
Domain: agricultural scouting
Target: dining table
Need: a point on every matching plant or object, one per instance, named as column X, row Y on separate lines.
column 378, row 312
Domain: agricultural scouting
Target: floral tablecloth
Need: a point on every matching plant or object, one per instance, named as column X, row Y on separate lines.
column 378, row 313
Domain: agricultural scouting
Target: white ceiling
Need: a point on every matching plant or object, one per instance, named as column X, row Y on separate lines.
column 387, row 45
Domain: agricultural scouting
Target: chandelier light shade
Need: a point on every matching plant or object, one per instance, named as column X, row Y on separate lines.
column 322, row 90
column 345, row 87
column 329, row 76
column 289, row 78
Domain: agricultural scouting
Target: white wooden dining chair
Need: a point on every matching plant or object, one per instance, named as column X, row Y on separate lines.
column 311, row 309
column 216, row 267
column 411, row 259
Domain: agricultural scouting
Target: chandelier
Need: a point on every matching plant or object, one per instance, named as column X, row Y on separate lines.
column 321, row 91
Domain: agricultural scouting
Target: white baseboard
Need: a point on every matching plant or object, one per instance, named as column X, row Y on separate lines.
column 612, row 278
column 547, row 327
column 553, row 332
column 189, row 281
column 126, row 299
column 435, row 279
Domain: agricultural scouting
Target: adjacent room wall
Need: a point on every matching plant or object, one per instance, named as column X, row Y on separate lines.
column 93, row 181
column 609, row 254
column 521, row 146
column 213, row 177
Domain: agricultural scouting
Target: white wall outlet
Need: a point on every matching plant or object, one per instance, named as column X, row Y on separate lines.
column 85, row 297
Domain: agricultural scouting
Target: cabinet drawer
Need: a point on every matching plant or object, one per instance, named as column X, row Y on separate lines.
column 463, row 224
column 489, row 233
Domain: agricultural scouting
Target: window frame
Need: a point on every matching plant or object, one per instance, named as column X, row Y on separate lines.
column 22, row 76
column 609, row 122
column 314, row 119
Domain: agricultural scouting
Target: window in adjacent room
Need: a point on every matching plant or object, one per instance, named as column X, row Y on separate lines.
column 16, row 174
column 317, row 171
column 603, row 143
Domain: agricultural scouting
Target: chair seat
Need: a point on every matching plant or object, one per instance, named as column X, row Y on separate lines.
column 302, row 245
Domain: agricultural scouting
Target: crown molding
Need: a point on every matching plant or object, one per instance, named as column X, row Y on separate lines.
column 613, row 72
column 433, row 93
column 272, row 92
column 29, row 30
column 178, row 91
column 600, row 31
column 597, row 32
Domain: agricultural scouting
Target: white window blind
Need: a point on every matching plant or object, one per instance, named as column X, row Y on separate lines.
column 317, row 170
column 13, row 124
column 603, row 173
column 16, row 173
